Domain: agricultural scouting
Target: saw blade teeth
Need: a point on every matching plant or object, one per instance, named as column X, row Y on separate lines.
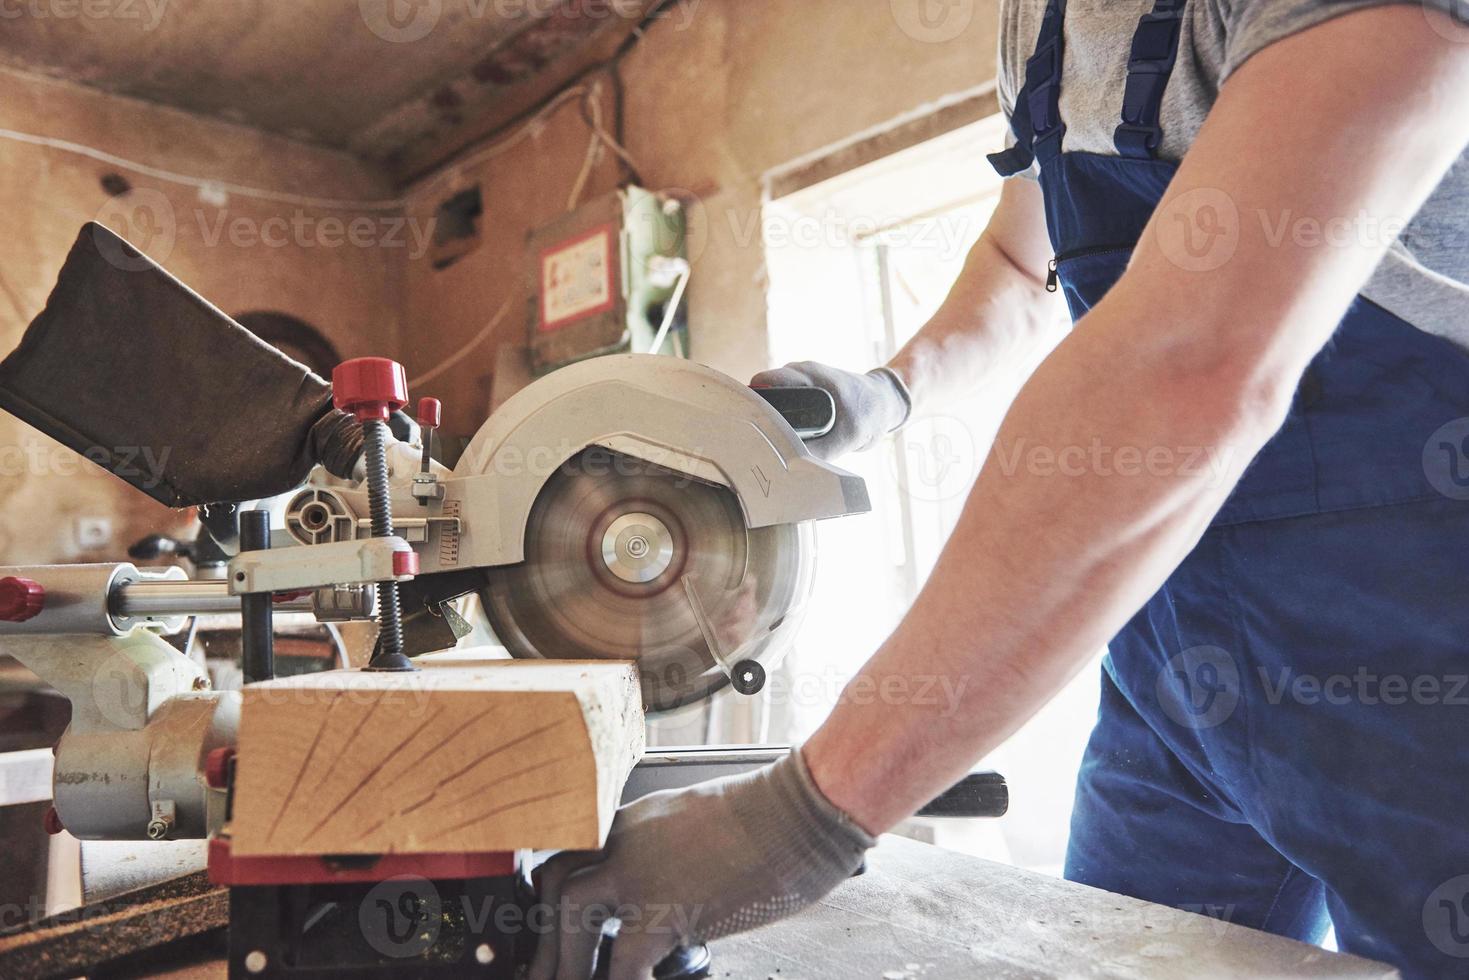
column 613, row 545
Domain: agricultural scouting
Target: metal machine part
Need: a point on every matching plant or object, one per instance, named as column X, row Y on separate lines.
column 372, row 388
column 143, row 720
column 257, row 618
column 983, row 793
column 171, row 598
column 86, row 599
column 626, row 560
column 143, row 716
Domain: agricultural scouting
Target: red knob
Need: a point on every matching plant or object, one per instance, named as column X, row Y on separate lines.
column 20, row 598
column 217, row 767
column 52, row 821
column 370, row 387
column 430, row 412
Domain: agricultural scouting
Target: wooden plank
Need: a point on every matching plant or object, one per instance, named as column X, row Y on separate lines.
column 464, row 756
column 72, row 943
column 869, row 147
column 924, row 913
column 25, row 776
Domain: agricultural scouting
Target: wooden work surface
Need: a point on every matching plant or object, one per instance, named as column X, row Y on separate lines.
column 922, row 913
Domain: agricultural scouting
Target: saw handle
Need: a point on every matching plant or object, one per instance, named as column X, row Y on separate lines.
column 811, row 411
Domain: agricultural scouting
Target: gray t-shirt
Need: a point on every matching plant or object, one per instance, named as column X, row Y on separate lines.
column 1424, row 278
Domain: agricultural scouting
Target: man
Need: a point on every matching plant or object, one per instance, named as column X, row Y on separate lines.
column 1228, row 186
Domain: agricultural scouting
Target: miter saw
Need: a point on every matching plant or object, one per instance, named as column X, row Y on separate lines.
column 628, row 508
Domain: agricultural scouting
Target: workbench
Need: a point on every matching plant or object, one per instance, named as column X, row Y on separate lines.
column 923, row 913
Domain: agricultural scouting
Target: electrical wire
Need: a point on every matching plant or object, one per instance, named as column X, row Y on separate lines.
column 199, row 183
column 485, row 333
column 684, row 272
column 532, row 126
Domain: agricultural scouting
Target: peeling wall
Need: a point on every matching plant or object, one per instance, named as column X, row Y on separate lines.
column 718, row 94
column 241, row 254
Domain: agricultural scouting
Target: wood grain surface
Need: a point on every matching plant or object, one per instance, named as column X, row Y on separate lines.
column 463, row 756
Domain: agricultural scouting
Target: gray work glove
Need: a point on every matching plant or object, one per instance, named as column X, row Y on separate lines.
column 869, row 406
column 696, row 864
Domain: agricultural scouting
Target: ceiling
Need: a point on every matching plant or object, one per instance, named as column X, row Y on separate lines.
column 399, row 82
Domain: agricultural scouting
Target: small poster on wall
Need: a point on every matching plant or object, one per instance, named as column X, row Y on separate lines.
column 576, row 279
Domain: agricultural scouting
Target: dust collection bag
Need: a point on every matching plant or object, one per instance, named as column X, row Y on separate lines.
column 134, row 370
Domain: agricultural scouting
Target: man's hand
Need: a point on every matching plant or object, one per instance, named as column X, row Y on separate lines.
column 869, row 406
column 693, row 865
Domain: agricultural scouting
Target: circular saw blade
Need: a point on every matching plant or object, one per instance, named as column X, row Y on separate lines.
column 626, row 560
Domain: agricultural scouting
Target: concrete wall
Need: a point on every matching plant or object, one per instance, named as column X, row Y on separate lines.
column 718, row 94
column 226, row 246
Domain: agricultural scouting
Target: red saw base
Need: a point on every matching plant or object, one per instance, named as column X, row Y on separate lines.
column 226, row 869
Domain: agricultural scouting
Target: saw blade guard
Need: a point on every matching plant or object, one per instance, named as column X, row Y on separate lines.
column 627, row 560
column 652, row 509
column 666, row 411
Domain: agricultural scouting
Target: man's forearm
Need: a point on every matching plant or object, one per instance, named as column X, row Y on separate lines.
column 1009, row 614
column 997, row 320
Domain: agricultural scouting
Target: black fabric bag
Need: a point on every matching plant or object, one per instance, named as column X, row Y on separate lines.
column 132, row 369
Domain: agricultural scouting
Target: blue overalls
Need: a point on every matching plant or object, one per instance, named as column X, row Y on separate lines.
column 1282, row 727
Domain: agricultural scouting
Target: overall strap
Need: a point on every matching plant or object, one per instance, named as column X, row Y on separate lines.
column 1036, row 120
column 1150, row 65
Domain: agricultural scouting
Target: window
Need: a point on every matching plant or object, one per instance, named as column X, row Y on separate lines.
column 858, row 263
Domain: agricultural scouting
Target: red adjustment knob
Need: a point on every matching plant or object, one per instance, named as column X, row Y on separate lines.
column 370, row 387
column 20, row 598
column 405, row 563
column 430, row 412
column 217, row 767
column 52, row 821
